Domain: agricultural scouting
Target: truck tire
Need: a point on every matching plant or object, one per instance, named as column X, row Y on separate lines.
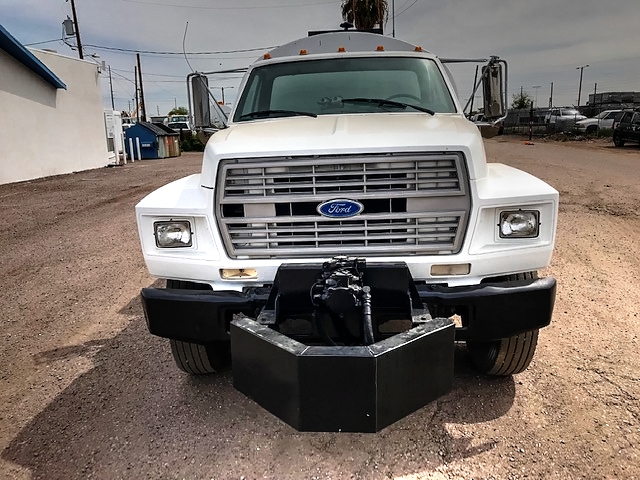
column 194, row 358
column 592, row 130
column 506, row 356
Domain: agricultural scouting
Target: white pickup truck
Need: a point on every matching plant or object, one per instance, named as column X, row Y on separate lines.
column 347, row 210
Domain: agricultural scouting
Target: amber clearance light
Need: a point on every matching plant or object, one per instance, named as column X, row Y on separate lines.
column 238, row 273
column 450, row 269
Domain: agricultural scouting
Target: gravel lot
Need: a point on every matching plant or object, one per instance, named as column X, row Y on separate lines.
column 88, row 393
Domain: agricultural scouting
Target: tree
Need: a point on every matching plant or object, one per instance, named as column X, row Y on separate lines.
column 365, row 14
column 521, row 100
column 178, row 111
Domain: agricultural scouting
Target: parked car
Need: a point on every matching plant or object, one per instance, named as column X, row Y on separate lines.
column 180, row 126
column 626, row 127
column 562, row 119
column 591, row 126
column 163, row 119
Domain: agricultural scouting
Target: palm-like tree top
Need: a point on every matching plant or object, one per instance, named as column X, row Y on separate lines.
column 365, row 14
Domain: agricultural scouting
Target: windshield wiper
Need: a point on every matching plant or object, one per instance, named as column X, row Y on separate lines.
column 268, row 113
column 381, row 102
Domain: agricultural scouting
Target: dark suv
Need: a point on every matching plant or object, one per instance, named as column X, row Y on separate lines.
column 626, row 127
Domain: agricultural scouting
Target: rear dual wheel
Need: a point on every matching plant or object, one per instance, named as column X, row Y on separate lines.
column 506, row 356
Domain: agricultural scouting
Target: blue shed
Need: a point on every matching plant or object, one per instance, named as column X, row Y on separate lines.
column 155, row 142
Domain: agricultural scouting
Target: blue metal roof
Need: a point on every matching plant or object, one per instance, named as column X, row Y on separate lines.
column 18, row 51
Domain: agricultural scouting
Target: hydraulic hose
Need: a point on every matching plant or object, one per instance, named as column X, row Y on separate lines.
column 366, row 316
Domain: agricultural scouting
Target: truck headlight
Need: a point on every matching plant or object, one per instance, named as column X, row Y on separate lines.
column 172, row 234
column 519, row 224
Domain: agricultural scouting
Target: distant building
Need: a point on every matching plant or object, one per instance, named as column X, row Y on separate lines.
column 611, row 101
column 52, row 118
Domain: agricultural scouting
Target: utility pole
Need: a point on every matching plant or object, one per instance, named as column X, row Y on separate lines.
column 75, row 21
column 551, row 97
column 142, row 102
column 393, row 18
column 135, row 75
column 113, row 106
column 580, row 84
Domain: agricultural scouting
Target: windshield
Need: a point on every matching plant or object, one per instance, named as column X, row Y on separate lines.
column 330, row 86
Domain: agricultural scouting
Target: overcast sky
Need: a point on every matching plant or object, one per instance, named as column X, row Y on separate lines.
column 543, row 41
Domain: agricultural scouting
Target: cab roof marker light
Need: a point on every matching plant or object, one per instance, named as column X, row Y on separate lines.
column 418, row 48
column 267, row 56
column 342, row 49
column 303, row 52
column 380, row 48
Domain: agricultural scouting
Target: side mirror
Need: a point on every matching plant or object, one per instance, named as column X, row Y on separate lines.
column 201, row 108
column 203, row 102
column 494, row 88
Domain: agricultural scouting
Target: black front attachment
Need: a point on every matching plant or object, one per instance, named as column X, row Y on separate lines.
column 342, row 388
column 343, row 372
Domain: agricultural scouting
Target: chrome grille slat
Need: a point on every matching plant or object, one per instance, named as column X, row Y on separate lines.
column 319, row 175
column 285, row 192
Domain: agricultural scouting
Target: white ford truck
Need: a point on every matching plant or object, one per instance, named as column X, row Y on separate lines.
column 345, row 233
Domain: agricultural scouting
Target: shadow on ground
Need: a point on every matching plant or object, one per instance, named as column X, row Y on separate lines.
column 134, row 415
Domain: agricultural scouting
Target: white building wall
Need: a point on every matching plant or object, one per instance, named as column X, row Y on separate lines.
column 46, row 131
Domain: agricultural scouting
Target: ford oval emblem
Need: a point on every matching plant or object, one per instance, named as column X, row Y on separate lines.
column 340, row 208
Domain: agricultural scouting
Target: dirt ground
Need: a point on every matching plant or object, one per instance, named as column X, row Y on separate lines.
column 86, row 392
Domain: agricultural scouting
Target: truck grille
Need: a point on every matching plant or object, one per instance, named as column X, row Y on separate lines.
column 413, row 204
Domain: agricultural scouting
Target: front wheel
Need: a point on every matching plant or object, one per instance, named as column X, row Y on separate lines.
column 506, row 356
column 194, row 358
column 198, row 359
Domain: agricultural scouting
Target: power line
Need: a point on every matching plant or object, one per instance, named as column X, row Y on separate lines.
column 122, row 76
column 403, row 11
column 229, row 8
column 183, row 77
column 150, row 74
column 399, row 8
column 44, row 41
column 154, row 52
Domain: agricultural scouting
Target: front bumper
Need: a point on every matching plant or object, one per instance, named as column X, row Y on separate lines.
column 348, row 387
column 489, row 311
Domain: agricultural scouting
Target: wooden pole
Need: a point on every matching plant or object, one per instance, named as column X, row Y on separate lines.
column 75, row 21
column 142, row 102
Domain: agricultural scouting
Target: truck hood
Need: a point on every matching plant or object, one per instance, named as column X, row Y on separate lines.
column 346, row 134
